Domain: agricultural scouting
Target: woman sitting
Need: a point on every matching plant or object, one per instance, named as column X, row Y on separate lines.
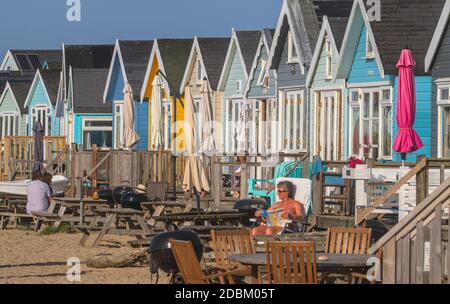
column 289, row 208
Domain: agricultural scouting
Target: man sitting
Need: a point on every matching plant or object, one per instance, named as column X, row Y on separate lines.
column 289, row 208
column 38, row 194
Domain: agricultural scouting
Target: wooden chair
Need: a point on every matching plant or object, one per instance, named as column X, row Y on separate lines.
column 230, row 242
column 291, row 262
column 348, row 240
column 359, row 278
column 189, row 266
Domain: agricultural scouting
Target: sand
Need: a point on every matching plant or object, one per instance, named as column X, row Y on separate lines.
column 28, row 257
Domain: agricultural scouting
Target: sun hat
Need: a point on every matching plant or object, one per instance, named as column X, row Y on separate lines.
column 142, row 188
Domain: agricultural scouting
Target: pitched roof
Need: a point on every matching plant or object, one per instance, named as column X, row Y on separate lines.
column 175, row 55
column 214, row 51
column 51, row 79
column 87, row 57
column 20, row 91
column 14, row 77
column 405, row 23
column 135, row 55
column 305, row 20
column 32, row 60
column 268, row 34
column 338, row 26
column 437, row 37
column 248, row 42
column 88, row 87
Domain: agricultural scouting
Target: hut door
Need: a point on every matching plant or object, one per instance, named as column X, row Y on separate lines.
column 328, row 125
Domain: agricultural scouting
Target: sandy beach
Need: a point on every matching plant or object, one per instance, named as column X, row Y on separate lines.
column 28, row 257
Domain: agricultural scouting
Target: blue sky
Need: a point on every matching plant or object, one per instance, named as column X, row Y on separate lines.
column 42, row 24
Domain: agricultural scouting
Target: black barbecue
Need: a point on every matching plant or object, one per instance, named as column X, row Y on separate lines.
column 107, row 194
column 161, row 256
column 249, row 207
column 133, row 200
column 119, row 191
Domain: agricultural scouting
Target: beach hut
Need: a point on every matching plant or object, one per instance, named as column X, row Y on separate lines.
column 170, row 57
column 91, row 118
column 236, row 109
column 206, row 61
column 129, row 63
column 260, row 91
column 41, row 101
column 327, row 96
column 78, row 57
column 437, row 61
column 291, row 54
column 31, row 60
column 367, row 62
column 13, row 115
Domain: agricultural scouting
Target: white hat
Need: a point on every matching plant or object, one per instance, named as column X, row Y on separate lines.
column 141, row 188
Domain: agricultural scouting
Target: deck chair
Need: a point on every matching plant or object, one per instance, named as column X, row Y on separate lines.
column 189, row 266
column 291, row 262
column 348, row 240
column 280, row 171
column 229, row 242
column 303, row 194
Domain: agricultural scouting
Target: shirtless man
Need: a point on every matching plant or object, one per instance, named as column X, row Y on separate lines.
column 293, row 210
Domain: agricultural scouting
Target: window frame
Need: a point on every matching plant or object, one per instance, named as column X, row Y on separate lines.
column 382, row 103
column 442, row 105
column 292, row 50
column 262, row 73
column 36, row 113
column 118, row 144
column 85, row 128
column 370, row 53
column 328, row 59
column 286, row 142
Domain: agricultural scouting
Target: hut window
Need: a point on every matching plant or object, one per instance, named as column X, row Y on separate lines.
column 292, row 54
column 372, row 138
column 443, row 101
column 293, row 113
column 328, row 52
column 369, row 46
column 167, row 108
column 9, row 124
column 118, row 125
column 261, row 77
column 199, row 70
column 98, row 131
column 44, row 116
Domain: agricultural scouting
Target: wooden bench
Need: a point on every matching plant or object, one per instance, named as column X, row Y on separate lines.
column 5, row 217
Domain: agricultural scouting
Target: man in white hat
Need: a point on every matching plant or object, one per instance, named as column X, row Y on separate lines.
column 141, row 189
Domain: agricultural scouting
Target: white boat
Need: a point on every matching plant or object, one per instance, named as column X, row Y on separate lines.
column 59, row 183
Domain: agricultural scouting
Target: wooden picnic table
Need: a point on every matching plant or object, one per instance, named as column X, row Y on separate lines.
column 221, row 218
column 70, row 210
column 133, row 220
column 336, row 263
column 161, row 207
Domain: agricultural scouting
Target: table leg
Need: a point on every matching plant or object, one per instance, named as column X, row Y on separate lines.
column 142, row 223
column 254, row 276
column 158, row 211
column 109, row 220
column 86, row 232
column 52, row 206
column 61, row 213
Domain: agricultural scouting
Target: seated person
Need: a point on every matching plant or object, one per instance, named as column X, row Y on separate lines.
column 47, row 178
column 291, row 210
column 38, row 194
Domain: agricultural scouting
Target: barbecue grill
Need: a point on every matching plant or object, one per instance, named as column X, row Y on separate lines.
column 161, row 256
column 119, row 191
column 107, row 194
column 249, row 206
column 133, row 200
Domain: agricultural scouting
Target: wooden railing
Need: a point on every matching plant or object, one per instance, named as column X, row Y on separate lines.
column 416, row 249
column 18, row 155
column 421, row 172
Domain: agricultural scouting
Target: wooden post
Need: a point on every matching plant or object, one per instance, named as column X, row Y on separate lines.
column 216, row 180
column 306, row 167
column 317, row 191
column 94, row 163
column 244, row 177
column 421, row 182
column 442, row 174
column 79, row 188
